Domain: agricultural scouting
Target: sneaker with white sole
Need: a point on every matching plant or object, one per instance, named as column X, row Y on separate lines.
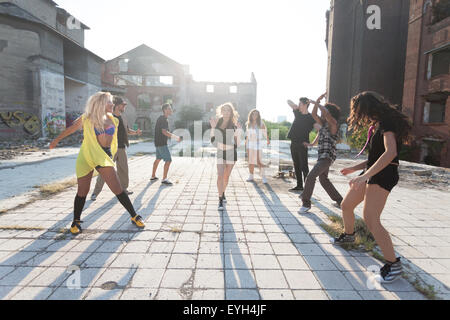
column 220, row 204
column 93, row 197
column 304, row 210
column 264, row 180
column 250, row 178
column 391, row 271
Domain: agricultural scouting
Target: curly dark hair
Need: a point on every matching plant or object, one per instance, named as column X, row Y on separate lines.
column 334, row 110
column 369, row 107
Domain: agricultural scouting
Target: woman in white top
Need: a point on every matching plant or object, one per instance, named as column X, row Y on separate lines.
column 256, row 132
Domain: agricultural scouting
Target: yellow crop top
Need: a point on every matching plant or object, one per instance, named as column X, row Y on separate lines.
column 91, row 153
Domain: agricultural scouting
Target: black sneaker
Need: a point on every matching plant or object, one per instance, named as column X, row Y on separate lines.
column 221, row 204
column 391, row 271
column 224, row 198
column 167, row 182
column 344, row 239
column 297, row 188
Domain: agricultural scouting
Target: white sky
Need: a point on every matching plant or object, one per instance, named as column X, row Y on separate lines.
column 281, row 41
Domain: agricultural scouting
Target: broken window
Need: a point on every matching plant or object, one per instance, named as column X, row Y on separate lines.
column 166, row 80
column 158, row 81
column 434, row 112
column 123, row 65
column 210, row 88
column 233, row 89
column 127, row 80
column 440, row 62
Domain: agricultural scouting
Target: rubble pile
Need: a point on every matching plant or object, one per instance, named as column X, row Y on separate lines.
column 14, row 148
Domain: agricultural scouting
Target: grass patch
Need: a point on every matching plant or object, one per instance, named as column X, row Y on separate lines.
column 20, row 228
column 427, row 290
column 44, row 192
column 175, row 230
column 363, row 240
column 53, row 188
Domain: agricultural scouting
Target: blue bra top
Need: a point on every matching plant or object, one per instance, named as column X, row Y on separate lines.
column 108, row 131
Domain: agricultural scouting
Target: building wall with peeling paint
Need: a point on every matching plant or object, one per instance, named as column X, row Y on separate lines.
column 43, row 72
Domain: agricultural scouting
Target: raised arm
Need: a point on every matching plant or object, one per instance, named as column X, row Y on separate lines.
column 329, row 118
column 326, row 114
column 293, row 105
column 77, row 125
column 314, row 112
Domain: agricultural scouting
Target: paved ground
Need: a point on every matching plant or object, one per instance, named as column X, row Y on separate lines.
column 258, row 248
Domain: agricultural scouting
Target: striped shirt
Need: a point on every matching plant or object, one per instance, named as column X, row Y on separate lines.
column 327, row 143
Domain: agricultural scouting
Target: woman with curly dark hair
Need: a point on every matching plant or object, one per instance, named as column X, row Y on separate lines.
column 380, row 175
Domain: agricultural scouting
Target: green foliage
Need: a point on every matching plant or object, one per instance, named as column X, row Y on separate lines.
column 282, row 127
column 358, row 139
column 312, row 136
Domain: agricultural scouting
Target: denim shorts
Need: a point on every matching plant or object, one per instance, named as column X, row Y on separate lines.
column 163, row 153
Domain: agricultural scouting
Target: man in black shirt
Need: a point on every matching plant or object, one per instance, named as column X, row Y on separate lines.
column 120, row 157
column 298, row 134
column 162, row 150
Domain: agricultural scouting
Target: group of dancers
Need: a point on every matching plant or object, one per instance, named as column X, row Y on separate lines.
column 105, row 132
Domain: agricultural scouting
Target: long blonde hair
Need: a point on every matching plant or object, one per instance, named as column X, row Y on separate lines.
column 259, row 122
column 234, row 118
column 95, row 109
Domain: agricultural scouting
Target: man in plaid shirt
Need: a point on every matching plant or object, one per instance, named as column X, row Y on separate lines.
column 327, row 138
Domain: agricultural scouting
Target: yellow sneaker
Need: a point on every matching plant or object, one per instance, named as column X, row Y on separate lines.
column 75, row 229
column 137, row 221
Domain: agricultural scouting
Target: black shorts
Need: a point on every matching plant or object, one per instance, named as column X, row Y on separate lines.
column 108, row 152
column 227, row 155
column 386, row 178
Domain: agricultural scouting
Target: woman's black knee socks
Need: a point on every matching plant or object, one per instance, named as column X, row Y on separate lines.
column 125, row 201
column 78, row 207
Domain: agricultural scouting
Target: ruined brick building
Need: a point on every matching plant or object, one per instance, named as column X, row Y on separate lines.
column 406, row 59
column 427, row 80
column 150, row 79
column 362, row 59
column 47, row 75
column 46, row 72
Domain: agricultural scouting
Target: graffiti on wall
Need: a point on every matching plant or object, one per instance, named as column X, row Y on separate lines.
column 30, row 123
column 54, row 124
column 71, row 117
column 53, row 103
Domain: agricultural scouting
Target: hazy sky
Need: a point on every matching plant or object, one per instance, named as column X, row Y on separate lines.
column 282, row 41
